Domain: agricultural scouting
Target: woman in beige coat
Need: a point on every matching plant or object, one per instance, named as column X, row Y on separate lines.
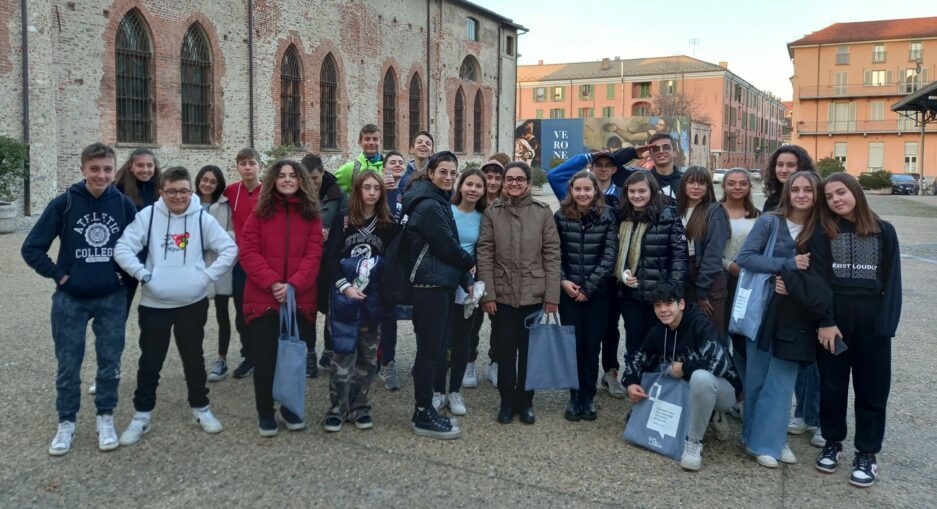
column 519, row 261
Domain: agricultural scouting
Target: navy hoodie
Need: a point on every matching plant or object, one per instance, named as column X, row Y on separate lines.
column 88, row 229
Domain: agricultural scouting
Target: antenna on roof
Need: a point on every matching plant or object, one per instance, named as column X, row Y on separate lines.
column 693, row 42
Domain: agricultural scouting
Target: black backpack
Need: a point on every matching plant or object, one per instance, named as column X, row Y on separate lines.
column 399, row 269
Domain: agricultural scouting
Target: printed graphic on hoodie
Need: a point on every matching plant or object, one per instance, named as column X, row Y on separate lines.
column 97, row 229
column 181, row 239
column 854, row 256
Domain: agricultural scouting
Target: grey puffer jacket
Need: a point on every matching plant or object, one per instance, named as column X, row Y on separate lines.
column 221, row 211
column 588, row 249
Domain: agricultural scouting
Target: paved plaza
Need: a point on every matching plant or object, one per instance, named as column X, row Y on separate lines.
column 553, row 463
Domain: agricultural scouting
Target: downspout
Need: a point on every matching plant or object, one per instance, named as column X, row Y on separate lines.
column 250, row 71
column 517, row 96
column 429, row 79
column 498, row 98
column 25, row 51
column 816, row 109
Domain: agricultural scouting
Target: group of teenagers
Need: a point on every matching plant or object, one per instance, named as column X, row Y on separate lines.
column 653, row 248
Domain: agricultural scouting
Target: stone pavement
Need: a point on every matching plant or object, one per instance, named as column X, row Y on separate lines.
column 553, row 463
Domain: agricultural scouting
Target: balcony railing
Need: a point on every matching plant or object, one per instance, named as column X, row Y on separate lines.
column 858, row 90
column 915, row 54
column 878, row 57
column 861, row 127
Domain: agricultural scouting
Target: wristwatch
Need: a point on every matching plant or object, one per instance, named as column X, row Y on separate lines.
column 146, row 279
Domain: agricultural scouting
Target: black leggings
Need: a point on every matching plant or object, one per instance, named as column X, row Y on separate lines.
column 224, row 323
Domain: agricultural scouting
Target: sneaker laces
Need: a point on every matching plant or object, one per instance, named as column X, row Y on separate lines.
column 63, row 434
column 864, row 462
column 693, row 448
column 106, row 431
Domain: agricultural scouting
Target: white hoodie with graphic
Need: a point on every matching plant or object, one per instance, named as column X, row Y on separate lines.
column 175, row 254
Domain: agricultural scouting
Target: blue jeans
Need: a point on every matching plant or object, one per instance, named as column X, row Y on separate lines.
column 769, row 385
column 807, row 394
column 70, row 316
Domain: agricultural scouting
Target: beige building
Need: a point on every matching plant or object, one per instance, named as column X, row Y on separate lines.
column 847, row 76
column 198, row 80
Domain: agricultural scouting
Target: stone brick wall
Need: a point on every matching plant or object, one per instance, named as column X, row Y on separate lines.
column 73, row 83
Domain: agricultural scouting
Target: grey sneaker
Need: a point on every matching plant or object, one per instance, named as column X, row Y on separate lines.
column 107, row 437
column 692, row 458
column 470, row 379
column 219, row 371
column 719, row 426
column 612, row 384
column 389, row 376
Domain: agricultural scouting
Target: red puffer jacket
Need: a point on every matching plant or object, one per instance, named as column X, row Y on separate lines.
column 283, row 248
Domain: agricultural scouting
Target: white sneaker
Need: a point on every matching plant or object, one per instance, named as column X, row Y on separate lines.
column 107, row 437
column 763, row 459
column 493, row 373
column 62, row 442
column 439, row 401
column 692, row 458
column 204, row 418
column 470, row 379
column 93, row 389
column 787, row 455
column 139, row 426
column 818, row 440
column 798, row 426
column 457, row 404
column 612, row 384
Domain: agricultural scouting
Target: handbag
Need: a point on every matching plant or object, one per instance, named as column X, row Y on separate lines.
column 660, row 422
column 752, row 295
column 289, row 378
column 551, row 354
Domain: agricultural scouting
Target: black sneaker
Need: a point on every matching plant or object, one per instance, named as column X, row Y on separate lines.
column 312, row 370
column 267, row 425
column 364, row 422
column 428, row 423
column 332, row 423
column 829, row 457
column 293, row 422
column 245, row 369
column 326, row 360
column 865, row 468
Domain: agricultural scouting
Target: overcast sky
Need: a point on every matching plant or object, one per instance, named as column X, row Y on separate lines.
column 751, row 36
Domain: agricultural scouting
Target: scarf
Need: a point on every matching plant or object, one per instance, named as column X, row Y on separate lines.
column 631, row 234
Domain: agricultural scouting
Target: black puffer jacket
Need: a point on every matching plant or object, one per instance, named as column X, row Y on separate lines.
column 430, row 222
column 663, row 254
column 588, row 247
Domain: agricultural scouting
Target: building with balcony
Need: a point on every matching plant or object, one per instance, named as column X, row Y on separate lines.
column 847, row 76
column 745, row 123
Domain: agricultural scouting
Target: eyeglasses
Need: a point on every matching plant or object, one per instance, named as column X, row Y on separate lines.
column 658, row 148
column 447, row 173
column 172, row 193
column 515, row 180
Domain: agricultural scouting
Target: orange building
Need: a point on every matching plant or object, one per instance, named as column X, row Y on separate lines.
column 746, row 122
column 847, row 76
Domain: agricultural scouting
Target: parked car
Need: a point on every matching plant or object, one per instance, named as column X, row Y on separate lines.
column 756, row 172
column 719, row 174
column 903, row 183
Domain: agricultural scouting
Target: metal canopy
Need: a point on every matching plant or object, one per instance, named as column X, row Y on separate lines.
column 922, row 101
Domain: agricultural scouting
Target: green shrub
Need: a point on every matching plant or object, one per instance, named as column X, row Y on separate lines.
column 13, row 157
column 538, row 177
column 875, row 180
column 829, row 165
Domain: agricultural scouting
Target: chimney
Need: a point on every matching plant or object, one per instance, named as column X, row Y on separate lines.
column 539, row 62
column 605, row 64
column 724, row 64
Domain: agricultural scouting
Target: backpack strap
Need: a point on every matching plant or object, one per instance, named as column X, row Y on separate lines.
column 149, row 228
column 64, row 216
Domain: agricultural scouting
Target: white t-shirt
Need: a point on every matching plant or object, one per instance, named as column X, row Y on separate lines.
column 686, row 219
column 794, row 228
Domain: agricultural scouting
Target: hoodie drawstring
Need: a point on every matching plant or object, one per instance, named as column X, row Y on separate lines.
column 185, row 228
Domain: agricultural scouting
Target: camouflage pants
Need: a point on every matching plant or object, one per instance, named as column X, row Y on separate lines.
column 351, row 376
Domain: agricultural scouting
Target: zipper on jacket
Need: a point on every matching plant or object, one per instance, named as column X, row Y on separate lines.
column 286, row 253
column 582, row 241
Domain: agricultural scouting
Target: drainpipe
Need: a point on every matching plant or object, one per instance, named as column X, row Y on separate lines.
column 250, row 71
column 25, row 51
column 498, row 98
column 429, row 78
